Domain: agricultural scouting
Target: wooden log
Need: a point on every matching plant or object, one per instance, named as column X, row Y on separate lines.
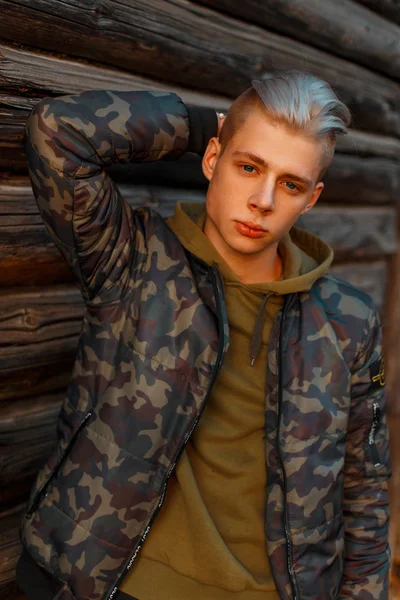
column 13, row 495
column 27, row 254
column 372, row 232
column 30, row 316
column 38, row 327
column 358, row 179
column 344, row 28
column 362, row 180
column 380, row 178
column 12, row 123
column 389, row 9
column 25, row 421
column 11, row 591
column 27, row 435
column 37, row 379
column 31, row 75
column 12, row 157
column 27, row 76
column 21, row 265
column 362, row 143
column 9, row 525
column 383, row 175
column 350, row 179
column 354, row 232
column 373, row 225
column 48, row 75
column 392, row 339
column 357, row 143
column 10, row 548
column 197, row 47
column 394, row 501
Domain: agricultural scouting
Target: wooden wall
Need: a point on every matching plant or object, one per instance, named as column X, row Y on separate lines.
column 208, row 51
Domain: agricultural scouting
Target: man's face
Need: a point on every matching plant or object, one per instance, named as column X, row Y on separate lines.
column 266, row 177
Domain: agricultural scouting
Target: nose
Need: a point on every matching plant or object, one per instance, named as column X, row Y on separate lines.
column 263, row 200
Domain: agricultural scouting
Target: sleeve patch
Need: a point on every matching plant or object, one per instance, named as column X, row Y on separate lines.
column 377, row 372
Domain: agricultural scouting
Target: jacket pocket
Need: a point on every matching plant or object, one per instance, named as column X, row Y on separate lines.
column 376, row 448
column 375, row 424
column 53, row 472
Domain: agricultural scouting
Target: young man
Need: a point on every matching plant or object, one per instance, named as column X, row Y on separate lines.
column 227, row 402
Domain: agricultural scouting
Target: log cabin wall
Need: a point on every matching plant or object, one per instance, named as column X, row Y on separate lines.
column 207, row 51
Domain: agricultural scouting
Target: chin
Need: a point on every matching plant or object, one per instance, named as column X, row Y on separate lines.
column 247, row 246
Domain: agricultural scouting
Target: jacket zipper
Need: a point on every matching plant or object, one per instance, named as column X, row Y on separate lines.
column 219, row 294
column 285, row 516
column 38, row 496
column 376, row 418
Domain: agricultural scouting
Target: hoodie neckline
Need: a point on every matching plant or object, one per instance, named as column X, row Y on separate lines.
column 305, row 257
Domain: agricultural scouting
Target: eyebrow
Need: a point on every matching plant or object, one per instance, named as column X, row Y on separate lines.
column 260, row 161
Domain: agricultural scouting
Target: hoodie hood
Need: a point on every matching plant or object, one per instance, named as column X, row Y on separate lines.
column 305, row 257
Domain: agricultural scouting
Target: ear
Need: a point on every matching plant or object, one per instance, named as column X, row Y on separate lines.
column 315, row 195
column 210, row 157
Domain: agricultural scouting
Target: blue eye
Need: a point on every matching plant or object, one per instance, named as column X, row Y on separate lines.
column 248, row 168
column 292, row 184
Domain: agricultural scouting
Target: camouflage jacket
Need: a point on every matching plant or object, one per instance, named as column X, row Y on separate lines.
column 153, row 339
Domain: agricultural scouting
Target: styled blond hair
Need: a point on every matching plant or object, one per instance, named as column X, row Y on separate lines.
column 297, row 99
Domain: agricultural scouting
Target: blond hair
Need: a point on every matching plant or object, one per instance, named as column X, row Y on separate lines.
column 297, row 99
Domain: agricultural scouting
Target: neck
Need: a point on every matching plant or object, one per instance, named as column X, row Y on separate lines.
column 254, row 270
column 249, row 268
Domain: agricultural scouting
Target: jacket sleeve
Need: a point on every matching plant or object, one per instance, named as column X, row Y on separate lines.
column 70, row 140
column 366, row 473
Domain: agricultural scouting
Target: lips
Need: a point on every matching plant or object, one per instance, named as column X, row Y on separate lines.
column 250, row 229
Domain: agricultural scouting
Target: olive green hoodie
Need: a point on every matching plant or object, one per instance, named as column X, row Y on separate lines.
column 208, row 540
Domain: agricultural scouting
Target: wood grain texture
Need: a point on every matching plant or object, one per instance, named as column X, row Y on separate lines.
column 12, row 156
column 344, row 28
column 394, row 503
column 392, row 338
column 390, row 9
column 38, row 327
column 35, row 380
column 362, row 181
column 361, row 232
column 27, row 435
column 11, row 591
column 357, row 143
column 364, row 233
column 9, row 547
column 196, row 46
column 27, row 76
column 363, row 143
column 10, row 550
column 350, row 179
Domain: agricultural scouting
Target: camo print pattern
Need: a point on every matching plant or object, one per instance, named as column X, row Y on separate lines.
column 154, row 334
column 322, row 438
